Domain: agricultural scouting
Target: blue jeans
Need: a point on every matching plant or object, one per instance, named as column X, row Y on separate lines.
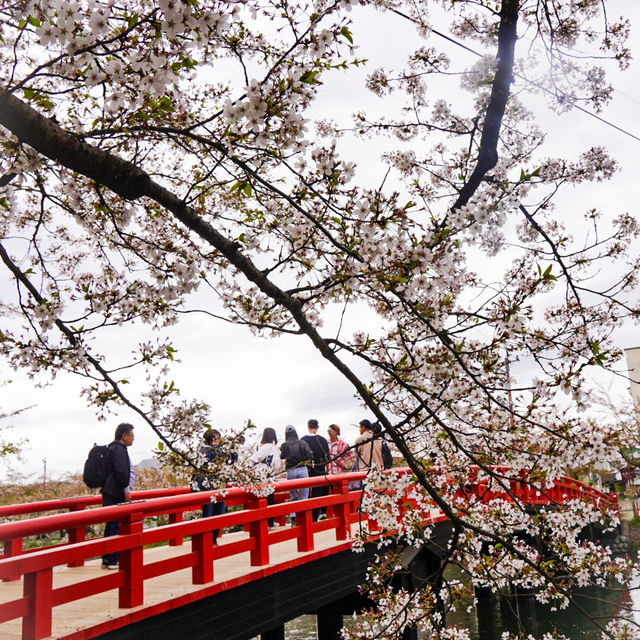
column 213, row 509
column 297, row 494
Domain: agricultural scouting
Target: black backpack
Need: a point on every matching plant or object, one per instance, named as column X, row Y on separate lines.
column 97, row 466
column 387, row 458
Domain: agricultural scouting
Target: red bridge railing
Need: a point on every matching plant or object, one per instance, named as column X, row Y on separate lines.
column 36, row 566
column 14, row 546
column 503, row 485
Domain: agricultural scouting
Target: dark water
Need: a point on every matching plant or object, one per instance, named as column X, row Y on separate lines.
column 494, row 615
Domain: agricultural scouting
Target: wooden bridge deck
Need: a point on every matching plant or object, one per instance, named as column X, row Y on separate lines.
column 73, row 619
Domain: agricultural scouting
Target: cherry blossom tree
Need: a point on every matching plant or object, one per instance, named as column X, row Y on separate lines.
column 160, row 155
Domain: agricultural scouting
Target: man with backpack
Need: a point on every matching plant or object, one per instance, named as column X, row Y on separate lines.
column 119, row 481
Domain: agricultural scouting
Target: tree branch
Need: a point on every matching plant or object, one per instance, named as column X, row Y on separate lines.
column 488, row 155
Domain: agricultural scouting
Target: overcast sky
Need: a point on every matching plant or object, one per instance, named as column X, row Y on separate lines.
column 284, row 381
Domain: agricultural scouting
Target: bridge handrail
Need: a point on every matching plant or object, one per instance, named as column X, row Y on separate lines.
column 525, row 489
column 156, row 506
column 180, row 499
column 59, row 555
column 13, row 533
column 75, row 503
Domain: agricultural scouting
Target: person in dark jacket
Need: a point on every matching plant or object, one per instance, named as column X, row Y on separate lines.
column 296, row 454
column 318, row 467
column 210, row 450
column 117, row 486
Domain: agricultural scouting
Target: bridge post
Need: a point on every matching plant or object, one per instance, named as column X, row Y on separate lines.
column 304, row 520
column 259, row 531
column 175, row 518
column 10, row 549
column 280, row 498
column 202, row 546
column 131, row 593
column 273, row 634
column 329, row 621
column 77, row 534
column 343, row 511
column 37, row 589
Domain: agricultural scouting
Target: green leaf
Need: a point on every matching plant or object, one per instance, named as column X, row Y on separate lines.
column 309, row 77
column 525, row 177
column 547, row 275
column 160, row 446
column 33, row 21
column 45, row 103
column 598, row 357
column 243, row 186
column 165, row 104
column 347, row 34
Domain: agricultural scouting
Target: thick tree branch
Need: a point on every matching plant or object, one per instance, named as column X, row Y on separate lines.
column 49, row 139
column 488, row 154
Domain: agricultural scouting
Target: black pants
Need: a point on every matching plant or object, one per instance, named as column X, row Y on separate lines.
column 110, row 528
column 271, row 499
column 318, row 492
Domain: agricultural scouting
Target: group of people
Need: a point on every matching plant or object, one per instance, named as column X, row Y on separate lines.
column 312, row 455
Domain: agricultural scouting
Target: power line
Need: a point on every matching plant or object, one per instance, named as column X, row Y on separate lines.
column 540, row 87
column 607, row 122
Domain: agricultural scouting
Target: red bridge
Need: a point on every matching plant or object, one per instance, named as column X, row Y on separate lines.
column 254, row 581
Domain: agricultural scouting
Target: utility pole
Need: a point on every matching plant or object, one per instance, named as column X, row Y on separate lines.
column 633, row 365
column 44, row 472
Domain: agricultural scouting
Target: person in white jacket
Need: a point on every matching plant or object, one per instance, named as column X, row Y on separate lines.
column 266, row 460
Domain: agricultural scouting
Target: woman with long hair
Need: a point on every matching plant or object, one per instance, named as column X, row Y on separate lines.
column 266, row 461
